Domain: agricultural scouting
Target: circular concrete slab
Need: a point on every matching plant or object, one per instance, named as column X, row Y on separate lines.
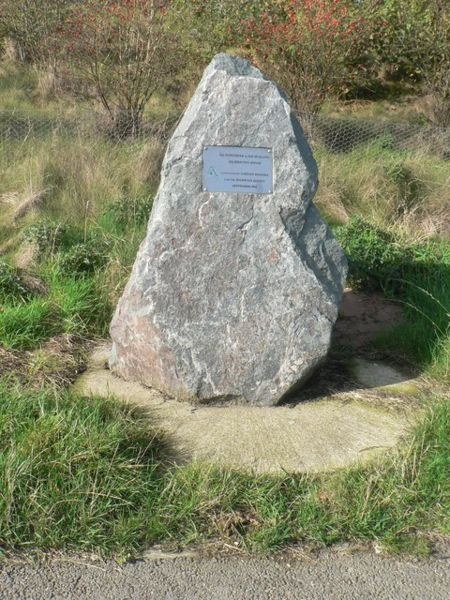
column 323, row 434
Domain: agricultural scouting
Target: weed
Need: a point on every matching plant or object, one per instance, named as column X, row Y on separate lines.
column 12, row 289
column 130, row 213
column 52, row 236
column 84, row 258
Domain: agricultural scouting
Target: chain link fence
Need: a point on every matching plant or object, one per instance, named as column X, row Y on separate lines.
column 25, row 136
column 19, row 127
column 333, row 134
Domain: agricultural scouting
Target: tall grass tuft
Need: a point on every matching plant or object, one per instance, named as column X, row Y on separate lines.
column 74, row 473
column 404, row 191
column 73, row 305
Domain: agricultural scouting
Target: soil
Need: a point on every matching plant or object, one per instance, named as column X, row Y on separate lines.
column 363, row 317
column 58, row 362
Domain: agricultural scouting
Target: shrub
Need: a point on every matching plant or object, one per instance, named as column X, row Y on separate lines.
column 134, row 213
column 46, row 235
column 84, row 258
column 408, row 41
column 31, row 25
column 308, row 47
column 123, row 51
column 52, row 236
column 12, row 289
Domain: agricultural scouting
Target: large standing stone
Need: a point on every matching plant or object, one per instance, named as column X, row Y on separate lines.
column 232, row 296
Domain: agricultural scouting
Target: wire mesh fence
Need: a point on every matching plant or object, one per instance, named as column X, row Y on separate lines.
column 23, row 134
column 349, row 134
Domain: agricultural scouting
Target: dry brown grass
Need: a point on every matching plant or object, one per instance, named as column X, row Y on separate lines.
column 405, row 192
column 75, row 177
column 48, row 86
column 148, row 164
column 57, row 362
column 30, row 204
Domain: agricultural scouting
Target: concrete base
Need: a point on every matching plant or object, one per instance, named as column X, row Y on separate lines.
column 328, row 433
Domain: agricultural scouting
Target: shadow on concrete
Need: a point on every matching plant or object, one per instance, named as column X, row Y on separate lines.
column 352, row 364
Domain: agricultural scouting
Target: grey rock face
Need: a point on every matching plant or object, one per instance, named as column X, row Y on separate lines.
column 232, row 296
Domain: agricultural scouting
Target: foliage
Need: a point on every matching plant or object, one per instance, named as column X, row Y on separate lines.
column 436, row 63
column 121, row 50
column 330, row 48
column 307, row 46
column 210, row 26
column 401, row 34
column 13, row 291
column 48, row 235
column 409, row 40
column 31, row 25
column 84, row 258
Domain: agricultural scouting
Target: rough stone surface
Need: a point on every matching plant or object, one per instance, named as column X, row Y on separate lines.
column 232, row 296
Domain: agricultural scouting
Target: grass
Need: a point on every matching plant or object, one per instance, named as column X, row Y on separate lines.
column 76, row 473
column 89, row 474
column 72, row 305
column 79, row 176
column 404, row 191
column 12, row 289
column 415, row 274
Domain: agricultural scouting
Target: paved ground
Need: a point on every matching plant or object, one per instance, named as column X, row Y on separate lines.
column 335, row 430
column 332, row 576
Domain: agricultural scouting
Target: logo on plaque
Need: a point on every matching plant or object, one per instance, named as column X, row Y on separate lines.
column 238, row 169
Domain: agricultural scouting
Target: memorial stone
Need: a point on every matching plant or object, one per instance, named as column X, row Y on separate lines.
column 237, row 285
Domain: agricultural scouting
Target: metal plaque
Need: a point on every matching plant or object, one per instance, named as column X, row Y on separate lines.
column 237, row 169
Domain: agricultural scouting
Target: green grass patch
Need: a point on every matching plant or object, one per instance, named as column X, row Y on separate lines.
column 415, row 274
column 75, row 472
column 81, row 304
column 73, row 305
column 25, row 326
column 89, row 474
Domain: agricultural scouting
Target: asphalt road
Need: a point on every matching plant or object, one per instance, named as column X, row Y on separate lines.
column 331, row 576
